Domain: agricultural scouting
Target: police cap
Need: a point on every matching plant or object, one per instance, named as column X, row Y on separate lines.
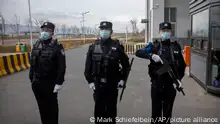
column 105, row 24
column 164, row 25
column 48, row 25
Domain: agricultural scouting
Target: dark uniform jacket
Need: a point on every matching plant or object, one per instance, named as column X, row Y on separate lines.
column 164, row 49
column 112, row 53
column 48, row 62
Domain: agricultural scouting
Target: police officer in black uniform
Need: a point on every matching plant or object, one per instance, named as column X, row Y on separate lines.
column 163, row 92
column 103, row 73
column 48, row 66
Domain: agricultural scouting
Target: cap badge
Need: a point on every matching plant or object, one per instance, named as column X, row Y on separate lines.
column 165, row 24
column 104, row 23
column 45, row 23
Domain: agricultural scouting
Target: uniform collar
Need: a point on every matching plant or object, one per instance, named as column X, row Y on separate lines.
column 106, row 42
column 46, row 42
column 166, row 42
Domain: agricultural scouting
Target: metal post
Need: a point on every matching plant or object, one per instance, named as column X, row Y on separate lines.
column 2, row 28
column 96, row 30
column 84, row 35
column 126, row 34
column 30, row 24
column 18, row 27
column 83, row 20
column 81, row 30
column 147, row 24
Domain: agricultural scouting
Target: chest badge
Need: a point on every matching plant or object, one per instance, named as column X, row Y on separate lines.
column 62, row 52
column 114, row 48
column 176, row 52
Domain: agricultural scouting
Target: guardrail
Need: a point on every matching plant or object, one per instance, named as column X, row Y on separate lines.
column 132, row 48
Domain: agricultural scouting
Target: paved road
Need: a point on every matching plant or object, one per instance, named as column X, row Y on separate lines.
column 18, row 105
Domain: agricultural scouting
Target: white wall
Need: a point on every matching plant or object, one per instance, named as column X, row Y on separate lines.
column 183, row 17
column 157, row 16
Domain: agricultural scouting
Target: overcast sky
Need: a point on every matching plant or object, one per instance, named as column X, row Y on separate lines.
column 68, row 11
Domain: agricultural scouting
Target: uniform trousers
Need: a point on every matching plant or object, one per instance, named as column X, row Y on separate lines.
column 105, row 97
column 47, row 102
column 162, row 102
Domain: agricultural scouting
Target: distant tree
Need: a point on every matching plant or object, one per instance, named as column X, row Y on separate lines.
column 16, row 26
column 38, row 23
column 142, row 32
column 57, row 29
column 75, row 30
column 134, row 27
column 2, row 28
column 27, row 23
column 63, row 29
column 87, row 30
column 68, row 31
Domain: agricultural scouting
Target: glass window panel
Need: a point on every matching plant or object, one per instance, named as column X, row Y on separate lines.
column 215, row 26
column 205, row 45
column 166, row 15
column 200, row 24
column 172, row 14
column 173, row 31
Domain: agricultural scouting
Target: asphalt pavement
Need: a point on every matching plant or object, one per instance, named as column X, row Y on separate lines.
column 18, row 104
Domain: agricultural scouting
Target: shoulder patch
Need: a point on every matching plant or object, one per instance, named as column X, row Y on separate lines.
column 37, row 43
column 116, row 41
column 62, row 52
column 56, row 41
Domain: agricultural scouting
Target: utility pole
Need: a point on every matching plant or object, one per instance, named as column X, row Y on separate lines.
column 83, row 20
column 30, row 24
column 96, row 31
column 81, row 30
column 126, row 34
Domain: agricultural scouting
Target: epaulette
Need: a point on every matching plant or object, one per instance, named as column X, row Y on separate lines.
column 176, row 43
column 116, row 41
column 55, row 41
column 156, row 43
column 37, row 43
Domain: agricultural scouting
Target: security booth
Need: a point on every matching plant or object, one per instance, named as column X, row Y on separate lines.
column 205, row 43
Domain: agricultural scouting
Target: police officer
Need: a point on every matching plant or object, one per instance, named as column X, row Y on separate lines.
column 103, row 73
column 163, row 92
column 48, row 66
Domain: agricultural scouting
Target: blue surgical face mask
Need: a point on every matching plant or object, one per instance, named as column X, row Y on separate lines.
column 166, row 35
column 44, row 35
column 105, row 34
